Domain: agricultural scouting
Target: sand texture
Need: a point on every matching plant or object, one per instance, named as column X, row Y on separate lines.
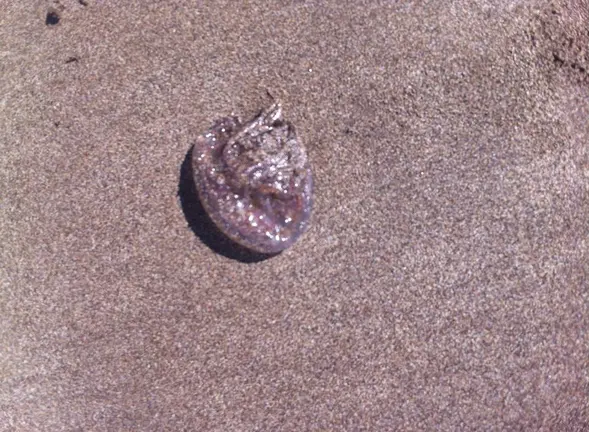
column 443, row 283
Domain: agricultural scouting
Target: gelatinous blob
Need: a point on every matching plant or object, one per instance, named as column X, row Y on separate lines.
column 254, row 180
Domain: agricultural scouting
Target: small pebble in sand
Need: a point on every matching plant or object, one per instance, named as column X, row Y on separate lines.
column 254, row 180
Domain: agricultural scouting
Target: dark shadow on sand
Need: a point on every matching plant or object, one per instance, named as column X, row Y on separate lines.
column 202, row 225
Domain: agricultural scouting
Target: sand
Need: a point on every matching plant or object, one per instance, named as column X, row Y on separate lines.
column 443, row 284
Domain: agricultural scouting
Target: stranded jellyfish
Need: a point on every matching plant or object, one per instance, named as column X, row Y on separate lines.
column 254, row 180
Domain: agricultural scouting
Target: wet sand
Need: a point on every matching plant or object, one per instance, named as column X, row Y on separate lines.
column 442, row 285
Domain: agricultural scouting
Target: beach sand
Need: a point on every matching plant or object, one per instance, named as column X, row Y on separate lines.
column 443, row 284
